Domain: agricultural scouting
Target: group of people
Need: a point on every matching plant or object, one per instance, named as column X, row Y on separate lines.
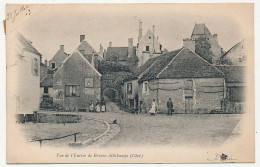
column 169, row 104
column 98, row 107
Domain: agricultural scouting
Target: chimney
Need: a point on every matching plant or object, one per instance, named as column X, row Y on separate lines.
column 153, row 50
column 105, row 54
column 140, row 31
column 62, row 48
column 46, row 62
column 110, row 44
column 130, row 47
column 189, row 43
column 82, row 38
column 94, row 61
column 101, row 50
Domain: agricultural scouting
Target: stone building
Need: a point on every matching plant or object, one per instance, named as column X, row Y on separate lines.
column 77, row 82
column 193, row 84
column 201, row 31
column 23, row 76
column 123, row 55
column 148, row 45
column 236, row 55
column 58, row 58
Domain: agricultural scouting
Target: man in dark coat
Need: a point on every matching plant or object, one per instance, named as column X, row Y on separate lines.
column 170, row 107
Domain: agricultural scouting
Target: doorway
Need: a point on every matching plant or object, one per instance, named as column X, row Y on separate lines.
column 189, row 105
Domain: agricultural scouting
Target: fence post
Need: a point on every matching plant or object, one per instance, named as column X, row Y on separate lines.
column 41, row 143
column 75, row 137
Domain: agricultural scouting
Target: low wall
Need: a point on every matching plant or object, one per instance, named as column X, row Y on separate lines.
column 58, row 118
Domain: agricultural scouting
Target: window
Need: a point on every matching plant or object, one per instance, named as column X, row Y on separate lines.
column 71, row 91
column 145, row 87
column 45, row 90
column 188, row 85
column 147, row 48
column 240, row 60
column 53, row 65
column 89, row 82
column 129, row 88
column 160, row 47
column 35, row 66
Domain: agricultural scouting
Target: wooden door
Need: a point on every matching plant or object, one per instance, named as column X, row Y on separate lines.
column 189, row 105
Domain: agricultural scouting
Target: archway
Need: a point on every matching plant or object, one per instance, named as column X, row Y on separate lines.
column 111, row 94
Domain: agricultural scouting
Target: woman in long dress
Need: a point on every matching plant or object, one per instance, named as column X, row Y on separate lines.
column 153, row 109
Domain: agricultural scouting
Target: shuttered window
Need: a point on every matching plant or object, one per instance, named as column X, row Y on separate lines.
column 35, row 66
column 71, row 90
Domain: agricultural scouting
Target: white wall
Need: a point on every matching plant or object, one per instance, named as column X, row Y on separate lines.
column 23, row 88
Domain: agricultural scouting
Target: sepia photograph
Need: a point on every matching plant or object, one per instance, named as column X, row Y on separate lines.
column 130, row 83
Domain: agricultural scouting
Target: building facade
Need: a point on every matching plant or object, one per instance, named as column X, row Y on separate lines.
column 193, row 84
column 202, row 31
column 148, row 45
column 58, row 58
column 236, row 55
column 23, row 75
column 76, row 83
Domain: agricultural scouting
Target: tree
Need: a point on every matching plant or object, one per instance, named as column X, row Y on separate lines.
column 203, row 48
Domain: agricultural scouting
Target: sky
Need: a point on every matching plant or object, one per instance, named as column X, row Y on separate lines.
column 57, row 25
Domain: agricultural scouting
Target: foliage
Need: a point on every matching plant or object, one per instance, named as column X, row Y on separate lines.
column 203, row 48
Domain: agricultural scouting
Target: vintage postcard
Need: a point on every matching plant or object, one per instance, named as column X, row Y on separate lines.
column 130, row 83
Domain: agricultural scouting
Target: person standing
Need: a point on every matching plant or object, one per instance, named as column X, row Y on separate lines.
column 91, row 106
column 98, row 106
column 170, row 107
column 103, row 105
column 154, row 108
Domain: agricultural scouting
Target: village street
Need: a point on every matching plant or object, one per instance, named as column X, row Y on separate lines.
column 176, row 130
column 140, row 129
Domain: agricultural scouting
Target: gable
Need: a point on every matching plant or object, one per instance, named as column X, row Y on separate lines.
column 59, row 57
column 160, row 63
column 86, row 49
column 148, row 34
column 27, row 44
column 190, row 65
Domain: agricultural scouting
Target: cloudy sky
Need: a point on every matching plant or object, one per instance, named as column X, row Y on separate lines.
column 63, row 24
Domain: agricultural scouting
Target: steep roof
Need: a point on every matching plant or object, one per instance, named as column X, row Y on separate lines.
column 87, row 49
column 232, row 49
column 120, row 52
column 77, row 52
column 27, row 44
column 47, row 81
column 142, row 69
column 181, row 63
column 233, row 74
column 159, row 65
column 201, row 29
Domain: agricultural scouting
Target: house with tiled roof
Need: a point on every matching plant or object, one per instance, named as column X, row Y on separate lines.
column 77, row 81
column 125, row 55
column 130, row 93
column 201, row 31
column 236, row 55
column 58, row 58
column 23, row 65
column 87, row 50
column 193, row 84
